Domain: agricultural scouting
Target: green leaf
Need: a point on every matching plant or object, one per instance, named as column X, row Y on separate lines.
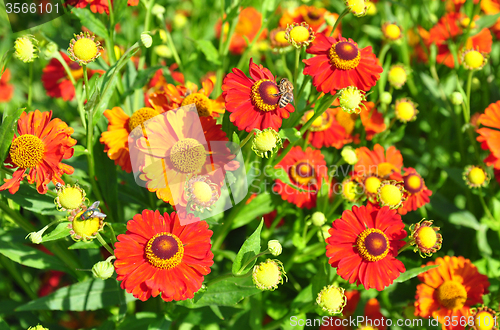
column 414, row 272
column 3, row 325
column 145, row 320
column 85, row 296
column 209, row 50
column 224, row 293
column 31, row 200
column 82, row 245
column 79, row 150
column 280, row 174
column 236, row 138
column 482, row 240
column 248, row 251
column 31, row 257
column 466, row 219
column 59, row 232
column 105, row 170
column 7, row 130
column 142, row 78
column 291, row 134
column 90, row 21
column 430, row 83
column 260, row 205
column 486, row 21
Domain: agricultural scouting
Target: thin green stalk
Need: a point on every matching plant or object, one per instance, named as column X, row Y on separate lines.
column 469, row 87
column 248, row 137
column 111, row 40
column 226, row 228
column 296, row 68
column 285, row 67
column 12, row 269
column 345, row 12
column 105, row 244
column 30, row 83
column 224, row 49
column 243, row 58
column 86, row 82
column 18, row 218
column 485, row 207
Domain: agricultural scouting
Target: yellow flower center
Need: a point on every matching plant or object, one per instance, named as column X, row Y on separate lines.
column 397, row 76
column 350, row 99
column 452, row 295
column 427, row 237
column 366, row 328
column 332, row 299
column 474, row 59
column 349, row 191
column 86, row 228
column 27, row 151
column 265, row 141
column 390, row 195
column 414, row 183
column 392, row 31
column 319, row 124
column 164, row 251
column 466, row 21
column 25, row 49
column 263, row 95
column 267, row 275
column 302, row 173
column 202, row 191
column 477, row 176
column 70, row 197
column 371, row 184
column 299, row 34
column 85, row 49
column 202, row 104
column 484, row 321
column 140, row 116
column 372, row 244
column 280, row 37
column 385, row 169
column 346, row 120
column 188, row 155
column 344, row 55
column 405, row 111
column 356, row 6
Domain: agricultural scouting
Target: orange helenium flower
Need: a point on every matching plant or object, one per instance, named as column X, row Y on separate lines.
column 450, row 290
column 386, row 164
column 372, row 120
column 339, row 63
column 364, row 244
column 97, row 6
column 306, row 170
column 6, row 89
column 489, row 136
column 39, row 146
column 158, row 256
column 417, row 194
column 252, row 101
column 313, row 16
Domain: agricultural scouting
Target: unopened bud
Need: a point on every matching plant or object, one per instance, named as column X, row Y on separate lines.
column 318, row 219
column 275, row 247
column 103, row 270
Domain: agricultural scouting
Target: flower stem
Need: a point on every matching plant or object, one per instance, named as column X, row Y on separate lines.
column 297, row 65
column 103, row 243
column 469, row 87
column 30, row 83
column 111, row 42
column 285, row 67
column 227, row 225
column 248, row 137
column 345, row 12
column 18, row 218
column 254, row 258
column 485, row 207
column 86, row 82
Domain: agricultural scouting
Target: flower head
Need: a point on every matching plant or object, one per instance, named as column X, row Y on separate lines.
column 397, row 76
column 36, row 236
column 69, row 197
column 318, row 219
column 364, row 244
column 349, row 155
column 279, row 43
column 274, row 247
column 332, row 299
column 416, row 192
column 425, row 237
column 405, row 110
column 158, row 256
column 202, row 193
column 351, row 190
column 489, row 135
column 391, row 194
column 299, row 34
column 473, row 59
column 26, row 48
column 84, row 224
column 386, row 98
column 84, row 48
column 457, row 98
column 484, row 318
column 340, row 63
column 357, row 7
column 476, row 176
column 266, row 142
column 38, row 327
column 103, row 270
column 39, row 146
column 351, row 99
column 392, row 31
column 268, row 274
column 319, row 19
column 450, row 289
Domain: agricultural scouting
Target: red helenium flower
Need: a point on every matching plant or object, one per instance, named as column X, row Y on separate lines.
column 417, row 194
column 489, row 136
column 339, row 63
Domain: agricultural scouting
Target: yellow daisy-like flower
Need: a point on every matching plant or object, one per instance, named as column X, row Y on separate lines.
column 332, row 299
column 84, row 48
column 69, row 197
column 476, row 176
column 473, row 59
column 279, row 44
column 484, row 318
column 268, row 274
column 26, row 48
column 351, row 99
column 391, row 193
column 397, row 75
column 392, row 31
column 357, row 7
column 201, row 193
column 405, row 110
column 299, row 34
column 426, row 238
column 84, row 225
column 266, row 143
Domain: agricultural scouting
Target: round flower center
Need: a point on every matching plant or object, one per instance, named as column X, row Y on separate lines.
column 299, row 34
column 350, row 99
column 25, row 49
column 372, row 244
column 312, row 16
column 27, row 151
column 188, row 155
column 140, row 116
column 319, row 124
column 202, row 191
column 202, row 104
column 371, row 184
column 474, row 59
column 405, row 110
column 349, row 190
column 267, row 275
column 164, row 251
column 466, row 21
column 263, row 95
column 392, row 31
column 85, row 49
column 346, row 120
column 390, row 195
column 356, row 6
column 344, row 55
column 280, row 37
column 302, row 173
column 477, row 176
column 385, row 169
column 427, row 237
column 332, row 299
column 484, row 321
column 86, row 228
column 397, row 76
column 265, row 141
column 76, row 70
column 414, row 183
column 451, row 295
column 70, row 197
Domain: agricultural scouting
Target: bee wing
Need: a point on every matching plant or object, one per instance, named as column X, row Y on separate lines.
column 98, row 214
column 95, row 205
